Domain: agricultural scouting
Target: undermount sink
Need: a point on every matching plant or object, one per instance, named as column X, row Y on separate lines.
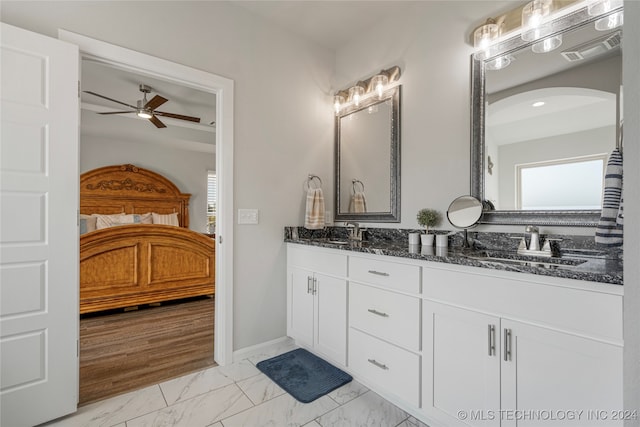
column 524, row 260
column 338, row 242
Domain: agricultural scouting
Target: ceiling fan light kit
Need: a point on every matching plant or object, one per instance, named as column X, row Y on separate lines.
column 146, row 109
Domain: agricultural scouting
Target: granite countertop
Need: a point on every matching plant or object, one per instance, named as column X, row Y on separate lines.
column 588, row 265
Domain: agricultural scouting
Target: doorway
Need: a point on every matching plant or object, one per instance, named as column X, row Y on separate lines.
column 222, row 88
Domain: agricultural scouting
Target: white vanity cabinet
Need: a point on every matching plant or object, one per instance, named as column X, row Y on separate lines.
column 519, row 353
column 317, row 300
column 384, row 325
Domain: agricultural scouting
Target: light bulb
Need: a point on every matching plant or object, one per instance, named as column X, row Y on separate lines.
column 355, row 93
column 533, row 16
column 378, row 82
column 610, row 22
column 483, row 36
column 338, row 100
column 144, row 114
column 548, row 44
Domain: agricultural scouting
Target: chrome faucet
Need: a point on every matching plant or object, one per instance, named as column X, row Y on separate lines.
column 534, row 244
column 355, row 233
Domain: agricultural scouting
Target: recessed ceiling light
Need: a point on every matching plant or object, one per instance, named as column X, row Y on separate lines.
column 538, row 104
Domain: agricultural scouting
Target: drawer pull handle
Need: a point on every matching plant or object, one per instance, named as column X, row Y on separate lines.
column 377, row 313
column 379, row 273
column 378, row 364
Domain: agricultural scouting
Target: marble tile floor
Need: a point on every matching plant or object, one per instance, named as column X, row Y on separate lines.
column 237, row 395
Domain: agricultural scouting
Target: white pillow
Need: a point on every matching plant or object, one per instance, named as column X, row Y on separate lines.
column 105, row 221
column 168, row 219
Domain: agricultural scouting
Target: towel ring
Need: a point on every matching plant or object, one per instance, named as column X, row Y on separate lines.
column 310, row 180
column 353, row 184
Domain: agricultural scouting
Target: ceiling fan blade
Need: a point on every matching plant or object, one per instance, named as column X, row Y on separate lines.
column 108, row 99
column 177, row 116
column 157, row 122
column 117, row 112
column 155, row 102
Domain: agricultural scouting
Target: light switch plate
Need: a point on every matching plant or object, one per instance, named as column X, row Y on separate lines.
column 247, row 216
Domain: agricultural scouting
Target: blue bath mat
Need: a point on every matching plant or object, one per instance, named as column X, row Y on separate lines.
column 303, row 375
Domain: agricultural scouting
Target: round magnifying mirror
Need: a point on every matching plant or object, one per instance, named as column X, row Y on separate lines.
column 464, row 212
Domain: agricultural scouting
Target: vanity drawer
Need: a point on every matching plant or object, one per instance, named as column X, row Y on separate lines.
column 384, row 314
column 401, row 277
column 391, row 368
column 317, row 260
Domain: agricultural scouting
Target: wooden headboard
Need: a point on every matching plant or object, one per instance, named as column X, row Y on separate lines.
column 130, row 189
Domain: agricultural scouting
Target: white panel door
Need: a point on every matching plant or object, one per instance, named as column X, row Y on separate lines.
column 38, row 228
column 461, row 366
column 301, row 313
column 331, row 320
column 553, row 378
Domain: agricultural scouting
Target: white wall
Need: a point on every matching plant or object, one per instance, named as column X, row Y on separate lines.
column 428, row 40
column 631, row 82
column 186, row 169
column 283, row 120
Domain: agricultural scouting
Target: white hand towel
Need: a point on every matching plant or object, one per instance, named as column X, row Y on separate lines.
column 314, row 215
column 358, row 203
column 609, row 229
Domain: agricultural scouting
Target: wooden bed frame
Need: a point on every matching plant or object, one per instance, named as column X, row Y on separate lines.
column 129, row 265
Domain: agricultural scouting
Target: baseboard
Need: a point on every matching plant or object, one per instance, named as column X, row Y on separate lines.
column 264, row 347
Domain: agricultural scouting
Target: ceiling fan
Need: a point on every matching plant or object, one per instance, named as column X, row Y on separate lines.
column 147, row 109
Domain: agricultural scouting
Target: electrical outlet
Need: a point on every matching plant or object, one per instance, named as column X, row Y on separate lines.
column 247, row 216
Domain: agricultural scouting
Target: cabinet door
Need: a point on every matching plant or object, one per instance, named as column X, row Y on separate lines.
column 558, row 375
column 331, row 318
column 461, row 367
column 301, row 305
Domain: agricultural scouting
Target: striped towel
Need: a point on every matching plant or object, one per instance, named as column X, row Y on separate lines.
column 314, row 215
column 358, row 203
column 609, row 229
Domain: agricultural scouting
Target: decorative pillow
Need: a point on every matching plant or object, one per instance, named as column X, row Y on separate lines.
column 87, row 223
column 168, row 219
column 105, row 221
column 145, row 218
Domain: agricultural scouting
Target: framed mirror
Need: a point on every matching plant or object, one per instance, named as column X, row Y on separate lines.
column 367, row 159
column 544, row 121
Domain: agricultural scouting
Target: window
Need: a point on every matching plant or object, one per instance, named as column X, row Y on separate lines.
column 574, row 184
column 212, row 195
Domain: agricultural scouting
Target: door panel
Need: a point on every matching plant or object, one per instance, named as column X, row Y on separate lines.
column 302, row 302
column 38, row 228
column 331, row 309
column 554, row 374
column 462, row 373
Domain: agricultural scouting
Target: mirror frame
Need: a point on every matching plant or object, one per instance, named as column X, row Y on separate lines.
column 575, row 218
column 393, row 94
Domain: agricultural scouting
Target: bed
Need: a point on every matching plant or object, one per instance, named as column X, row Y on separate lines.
column 142, row 261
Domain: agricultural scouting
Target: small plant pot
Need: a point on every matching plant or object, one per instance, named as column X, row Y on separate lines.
column 427, row 239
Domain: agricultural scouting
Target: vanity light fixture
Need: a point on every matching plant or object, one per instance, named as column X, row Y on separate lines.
column 375, row 85
column 534, row 17
column 356, row 92
column 499, row 63
column 599, row 7
column 378, row 82
column 339, row 99
column 484, row 36
column 548, row 44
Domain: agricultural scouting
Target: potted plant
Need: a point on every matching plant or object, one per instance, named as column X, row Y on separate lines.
column 428, row 218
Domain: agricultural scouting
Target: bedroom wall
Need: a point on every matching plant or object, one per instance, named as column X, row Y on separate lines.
column 189, row 173
column 283, row 121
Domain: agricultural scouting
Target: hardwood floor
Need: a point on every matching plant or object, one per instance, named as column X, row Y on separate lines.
column 124, row 351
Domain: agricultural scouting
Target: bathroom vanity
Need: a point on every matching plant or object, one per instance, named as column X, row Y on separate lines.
column 455, row 341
